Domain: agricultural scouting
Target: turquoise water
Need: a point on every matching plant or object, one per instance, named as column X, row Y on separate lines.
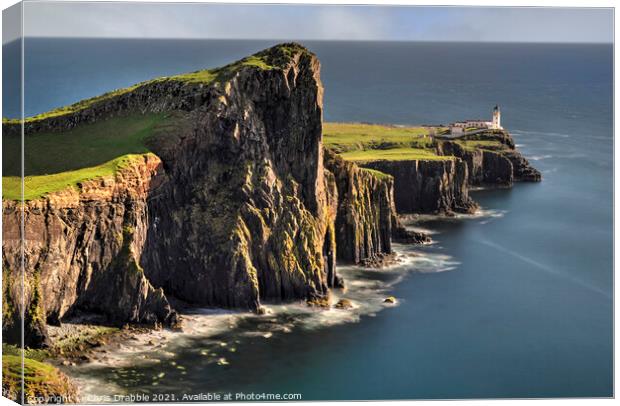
column 522, row 306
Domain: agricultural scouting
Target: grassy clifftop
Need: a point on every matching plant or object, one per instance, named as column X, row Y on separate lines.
column 361, row 142
column 394, row 154
column 373, row 142
column 54, row 161
column 475, row 144
column 272, row 58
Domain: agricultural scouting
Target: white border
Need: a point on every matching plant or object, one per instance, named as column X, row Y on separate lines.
column 488, row 3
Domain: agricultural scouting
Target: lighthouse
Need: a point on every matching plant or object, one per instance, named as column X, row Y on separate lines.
column 497, row 116
column 469, row 126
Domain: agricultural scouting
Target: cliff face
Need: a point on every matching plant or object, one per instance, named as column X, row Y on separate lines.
column 429, row 186
column 247, row 212
column 81, row 252
column 235, row 207
column 522, row 170
column 365, row 210
column 498, row 164
column 484, row 167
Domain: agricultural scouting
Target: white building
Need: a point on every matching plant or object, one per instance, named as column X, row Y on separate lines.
column 459, row 127
column 497, row 119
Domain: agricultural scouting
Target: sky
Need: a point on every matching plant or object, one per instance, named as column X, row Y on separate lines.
column 307, row 22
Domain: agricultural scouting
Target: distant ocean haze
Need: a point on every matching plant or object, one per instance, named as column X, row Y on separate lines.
column 524, row 307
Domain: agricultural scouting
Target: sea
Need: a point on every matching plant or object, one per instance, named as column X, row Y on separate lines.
column 515, row 301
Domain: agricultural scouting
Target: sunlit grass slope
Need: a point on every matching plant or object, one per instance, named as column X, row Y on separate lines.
column 370, row 142
column 480, row 144
column 54, row 161
column 394, row 154
column 41, row 380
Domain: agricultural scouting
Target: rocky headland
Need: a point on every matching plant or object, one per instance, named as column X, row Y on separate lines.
column 491, row 157
column 442, row 185
column 237, row 202
column 233, row 206
column 432, row 174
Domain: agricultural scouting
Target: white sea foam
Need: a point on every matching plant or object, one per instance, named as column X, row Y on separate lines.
column 480, row 213
column 540, row 157
column 419, row 229
column 219, row 331
column 539, row 133
column 484, row 213
column 366, row 289
column 425, row 262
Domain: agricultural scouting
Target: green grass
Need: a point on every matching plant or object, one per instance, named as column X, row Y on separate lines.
column 54, row 161
column 40, row 379
column 377, row 174
column 33, row 370
column 32, row 353
column 266, row 60
column 395, row 154
column 82, row 147
column 344, row 137
column 87, row 337
column 81, row 105
column 207, row 76
column 480, row 144
column 38, row 186
column 373, row 142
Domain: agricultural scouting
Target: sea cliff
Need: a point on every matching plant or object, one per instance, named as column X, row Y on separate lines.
column 233, row 200
column 428, row 186
column 235, row 204
column 365, row 207
column 247, row 211
column 491, row 157
column 81, row 252
column 432, row 173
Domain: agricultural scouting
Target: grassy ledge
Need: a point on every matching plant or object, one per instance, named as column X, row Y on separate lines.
column 473, row 145
column 373, row 142
column 38, row 186
column 54, row 161
column 394, row 154
column 377, row 174
column 344, row 137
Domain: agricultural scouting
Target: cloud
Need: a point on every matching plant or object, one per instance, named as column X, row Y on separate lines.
column 529, row 24
column 345, row 23
column 307, row 22
column 110, row 20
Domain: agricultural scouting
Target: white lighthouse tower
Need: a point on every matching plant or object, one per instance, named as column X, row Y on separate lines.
column 497, row 116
